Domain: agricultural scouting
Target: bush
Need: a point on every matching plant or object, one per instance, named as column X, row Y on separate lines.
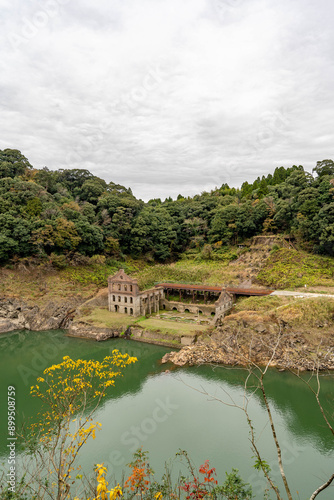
column 58, row 261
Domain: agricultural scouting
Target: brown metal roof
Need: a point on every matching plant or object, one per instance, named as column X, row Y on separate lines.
column 181, row 286
column 208, row 288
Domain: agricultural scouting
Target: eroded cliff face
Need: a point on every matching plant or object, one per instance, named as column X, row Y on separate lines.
column 277, row 345
column 16, row 314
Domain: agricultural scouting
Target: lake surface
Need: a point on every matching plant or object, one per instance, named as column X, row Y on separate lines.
column 164, row 412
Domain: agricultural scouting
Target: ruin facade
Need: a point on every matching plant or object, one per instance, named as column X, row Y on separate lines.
column 125, row 297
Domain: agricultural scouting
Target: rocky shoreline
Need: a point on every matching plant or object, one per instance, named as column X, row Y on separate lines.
column 233, row 343
column 16, row 314
column 282, row 348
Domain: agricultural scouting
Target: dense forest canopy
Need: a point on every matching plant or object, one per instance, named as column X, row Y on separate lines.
column 66, row 211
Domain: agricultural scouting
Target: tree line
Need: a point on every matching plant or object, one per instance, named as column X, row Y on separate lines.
column 72, row 211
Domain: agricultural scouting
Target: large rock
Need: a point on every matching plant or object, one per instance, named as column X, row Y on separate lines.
column 87, row 331
column 16, row 315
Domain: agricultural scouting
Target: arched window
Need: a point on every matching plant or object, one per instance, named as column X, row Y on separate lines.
column 131, row 311
column 125, row 299
column 119, row 298
column 113, row 298
column 130, row 288
column 119, row 287
column 131, row 300
column 125, row 288
column 126, row 310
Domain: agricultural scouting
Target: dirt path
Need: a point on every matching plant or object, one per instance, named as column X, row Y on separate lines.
column 308, row 295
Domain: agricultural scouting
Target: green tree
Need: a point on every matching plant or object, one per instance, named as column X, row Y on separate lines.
column 58, row 235
column 90, row 237
column 13, row 163
column 92, row 189
column 232, row 223
column 324, row 222
column 8, row 247
column 46, row 178
column 153, row 232
column 16, row 236
column 34, row 207
column 324, row 167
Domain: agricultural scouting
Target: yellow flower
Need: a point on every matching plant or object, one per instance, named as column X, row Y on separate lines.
column 158, row 495
column 116, row 493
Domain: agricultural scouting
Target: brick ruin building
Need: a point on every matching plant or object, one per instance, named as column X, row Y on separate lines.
column 124, row 296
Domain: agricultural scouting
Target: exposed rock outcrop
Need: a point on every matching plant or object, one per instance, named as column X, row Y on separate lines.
column 292, row 350
column 84, row 330
column 16, row 314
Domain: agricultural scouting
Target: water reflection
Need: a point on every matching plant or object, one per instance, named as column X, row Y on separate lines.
column 159, row 411
column 289, row 395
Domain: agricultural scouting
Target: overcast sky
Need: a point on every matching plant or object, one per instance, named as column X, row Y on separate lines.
column 168, row 96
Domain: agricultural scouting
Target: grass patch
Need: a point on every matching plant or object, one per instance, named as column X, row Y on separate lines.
column 38, row 286
column 171, row 327
column 97, row 274
column 189, row 271
column 102, row 318
column 305, row 313
column 287, row 268
column 263, row 304
column 310, row 312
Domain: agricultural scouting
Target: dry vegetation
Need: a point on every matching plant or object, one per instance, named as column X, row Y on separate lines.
column 37, row 286
column 317, row 312
column 194, row 271
column 263, row 304
column 102, row 318
column 289, row 268
column 302, row 313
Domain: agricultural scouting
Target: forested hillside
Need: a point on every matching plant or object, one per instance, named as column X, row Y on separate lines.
column 74, row 213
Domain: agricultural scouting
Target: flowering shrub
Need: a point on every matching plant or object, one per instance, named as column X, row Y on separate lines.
column 202, row 485
column 71, row 392
column 140, row 479
column 196, row 488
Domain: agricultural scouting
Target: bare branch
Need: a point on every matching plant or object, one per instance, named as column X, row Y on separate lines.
column 321, row 488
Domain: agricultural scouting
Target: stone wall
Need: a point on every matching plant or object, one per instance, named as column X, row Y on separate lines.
column 182, row 307
column 222, row 305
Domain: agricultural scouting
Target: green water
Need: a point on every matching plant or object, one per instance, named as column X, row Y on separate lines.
column 163, row 412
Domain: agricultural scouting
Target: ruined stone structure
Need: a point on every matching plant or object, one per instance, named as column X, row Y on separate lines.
column 124, row 296
column 223, row 304
column 200, row 299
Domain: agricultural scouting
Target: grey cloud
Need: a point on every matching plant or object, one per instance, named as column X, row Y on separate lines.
column 169, row 98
